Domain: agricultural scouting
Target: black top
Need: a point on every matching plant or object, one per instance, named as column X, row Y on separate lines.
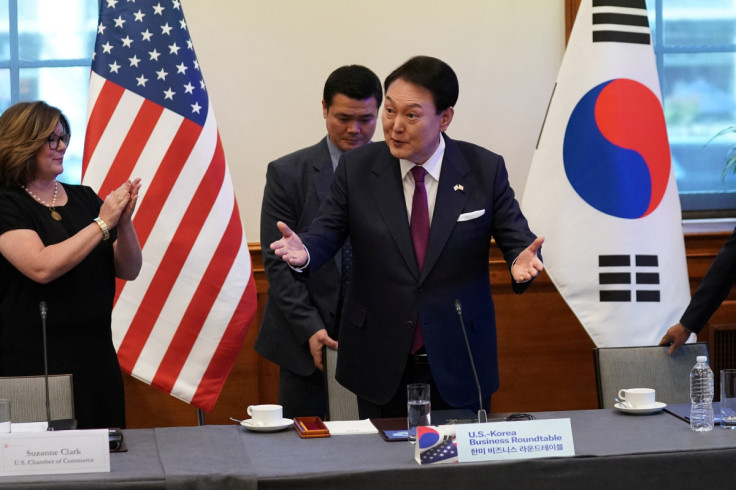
column 79, row 304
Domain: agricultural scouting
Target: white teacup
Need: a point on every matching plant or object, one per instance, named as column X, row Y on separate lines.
column 637, row 397
column 266, row 415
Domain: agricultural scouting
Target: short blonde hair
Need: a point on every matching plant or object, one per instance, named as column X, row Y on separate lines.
column 24, row 129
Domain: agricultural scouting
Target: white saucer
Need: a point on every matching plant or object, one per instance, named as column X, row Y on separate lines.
column 283, row 424
column 656, row 407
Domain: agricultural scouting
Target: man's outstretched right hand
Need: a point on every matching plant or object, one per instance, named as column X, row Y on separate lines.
column 290, row 247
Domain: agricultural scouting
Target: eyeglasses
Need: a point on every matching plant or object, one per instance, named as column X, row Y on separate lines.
column 55, row 138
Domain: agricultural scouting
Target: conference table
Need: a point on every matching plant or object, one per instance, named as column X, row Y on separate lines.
column 612, row 450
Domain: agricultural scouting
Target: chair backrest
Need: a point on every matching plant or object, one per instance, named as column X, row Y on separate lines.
column 27, row 395
column 342, row 404
column 646, row 367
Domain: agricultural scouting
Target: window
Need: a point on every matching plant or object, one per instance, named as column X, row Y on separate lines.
column 695, row 48
column 45, row 53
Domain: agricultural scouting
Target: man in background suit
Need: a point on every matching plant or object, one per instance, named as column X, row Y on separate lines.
column 300, row 317
column 714, row 288
column 399, row 321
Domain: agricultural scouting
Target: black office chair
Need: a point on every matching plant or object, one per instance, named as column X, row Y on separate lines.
column 646, row 367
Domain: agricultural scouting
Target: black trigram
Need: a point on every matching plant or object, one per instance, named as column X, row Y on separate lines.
column 631, row 24
column 621, row 281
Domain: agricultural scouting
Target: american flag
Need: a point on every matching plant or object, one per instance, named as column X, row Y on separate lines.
column 436, row 445
column 181, row 324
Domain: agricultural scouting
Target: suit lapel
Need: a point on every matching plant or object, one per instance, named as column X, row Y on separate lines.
column 450, row 202
column 388, row 194
column 322, row 179
column 323, row 172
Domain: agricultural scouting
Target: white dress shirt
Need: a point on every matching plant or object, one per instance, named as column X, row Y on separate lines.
column 433, row 166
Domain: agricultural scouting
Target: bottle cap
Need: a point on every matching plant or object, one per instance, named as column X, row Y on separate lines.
column 701, row 359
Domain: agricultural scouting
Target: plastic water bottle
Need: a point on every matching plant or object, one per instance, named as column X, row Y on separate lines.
column 701, row 396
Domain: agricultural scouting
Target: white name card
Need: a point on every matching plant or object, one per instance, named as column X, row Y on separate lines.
column 46, row 453
column 514, row 440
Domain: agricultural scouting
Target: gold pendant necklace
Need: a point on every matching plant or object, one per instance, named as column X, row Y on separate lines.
column 54, row 213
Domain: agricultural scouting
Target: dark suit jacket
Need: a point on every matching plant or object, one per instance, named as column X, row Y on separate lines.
column 296, row 185
column 716, row 285
column 387, row 293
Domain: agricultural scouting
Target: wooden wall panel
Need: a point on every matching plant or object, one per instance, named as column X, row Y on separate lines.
column 545, row 355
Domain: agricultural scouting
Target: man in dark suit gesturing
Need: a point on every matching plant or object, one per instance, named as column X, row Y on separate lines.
column 713, row 290
column 420, row 211
column 300, row 317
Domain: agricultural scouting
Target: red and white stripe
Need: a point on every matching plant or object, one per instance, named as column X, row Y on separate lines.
column 180, row 325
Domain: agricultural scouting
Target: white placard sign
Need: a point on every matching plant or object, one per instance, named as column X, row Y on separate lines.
column 514, row 440
column 46, row 453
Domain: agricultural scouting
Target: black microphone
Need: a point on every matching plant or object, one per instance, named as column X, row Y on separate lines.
column 482, row 416
column 62, row 424
column 44, row 310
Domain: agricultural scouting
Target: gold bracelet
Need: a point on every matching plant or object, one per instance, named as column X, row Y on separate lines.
column 103, row 227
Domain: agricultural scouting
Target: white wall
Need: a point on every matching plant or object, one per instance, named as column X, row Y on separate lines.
column 265, row 63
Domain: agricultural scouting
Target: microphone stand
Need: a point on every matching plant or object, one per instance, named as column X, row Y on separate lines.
column 44, row 310
column 482, row 416
column 52, row 425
